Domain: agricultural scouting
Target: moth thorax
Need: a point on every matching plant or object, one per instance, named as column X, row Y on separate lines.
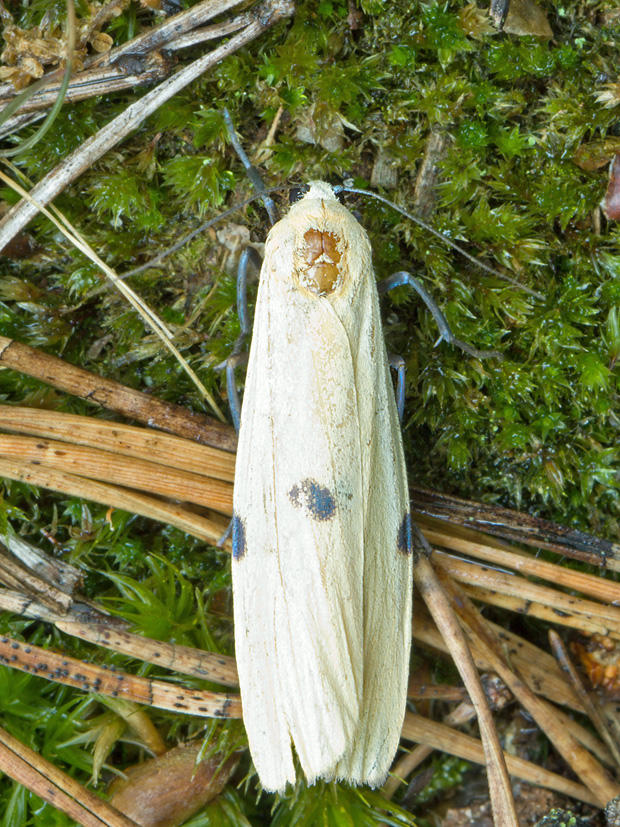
column 322, row 260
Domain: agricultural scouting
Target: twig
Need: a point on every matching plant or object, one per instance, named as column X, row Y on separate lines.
column 56, row 573
column 111, row 633
column 108, row 681
column 123, row 71
column 265, row 15
column 36, row 773
column 116, row 397
column 206, row 665
column 514, row 525
column 15, row 574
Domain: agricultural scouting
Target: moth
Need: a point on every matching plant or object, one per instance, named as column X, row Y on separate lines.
column 322, row 539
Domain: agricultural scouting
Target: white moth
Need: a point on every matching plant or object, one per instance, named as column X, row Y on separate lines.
column 322, row 564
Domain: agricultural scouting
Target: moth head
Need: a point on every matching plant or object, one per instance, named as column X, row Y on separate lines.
column 320, row 242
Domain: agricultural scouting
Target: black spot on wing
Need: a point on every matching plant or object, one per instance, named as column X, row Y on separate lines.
column 238, row 538
column 404, row 538
column 316, row 498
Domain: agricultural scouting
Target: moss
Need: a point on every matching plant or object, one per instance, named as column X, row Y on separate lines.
column 537, row 431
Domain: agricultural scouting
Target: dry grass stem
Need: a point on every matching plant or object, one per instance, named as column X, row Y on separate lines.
column 516, row 526
column 449, row 740
column 29, row 768
column 125, row 440
column 205, row 528
column 538, row 668
column 589, row 700
column 463, row 713
column 114, row 468
column 500, row 791
column 500, row 553
column 578, row 758
column 490, row 585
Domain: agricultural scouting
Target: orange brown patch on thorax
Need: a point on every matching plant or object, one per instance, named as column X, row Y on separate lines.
column 322, row 259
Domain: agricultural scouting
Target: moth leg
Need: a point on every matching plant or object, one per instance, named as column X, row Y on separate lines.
column 401, row 278
column 251, row 171
column 237, row 357
column 397, row 363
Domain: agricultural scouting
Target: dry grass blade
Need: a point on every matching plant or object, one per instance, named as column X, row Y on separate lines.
column 91, row 678
column 76, row 486
column 498, row 552
column 489, row 585
column 502, row 802
column 463, row 713
column 580, row 760
column 419, row 729
column 37, row 774
column 105, row 466
column 537, row 668
column 116, row 397
column 587, row 622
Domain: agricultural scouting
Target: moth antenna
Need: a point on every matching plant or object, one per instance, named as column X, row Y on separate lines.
column 248, row 256
column 440, row 236
column 251, row 171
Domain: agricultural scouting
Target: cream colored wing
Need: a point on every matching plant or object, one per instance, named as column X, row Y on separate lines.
column 322, row 590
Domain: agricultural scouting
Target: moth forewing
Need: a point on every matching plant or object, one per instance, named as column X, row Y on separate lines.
column 321, row 531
